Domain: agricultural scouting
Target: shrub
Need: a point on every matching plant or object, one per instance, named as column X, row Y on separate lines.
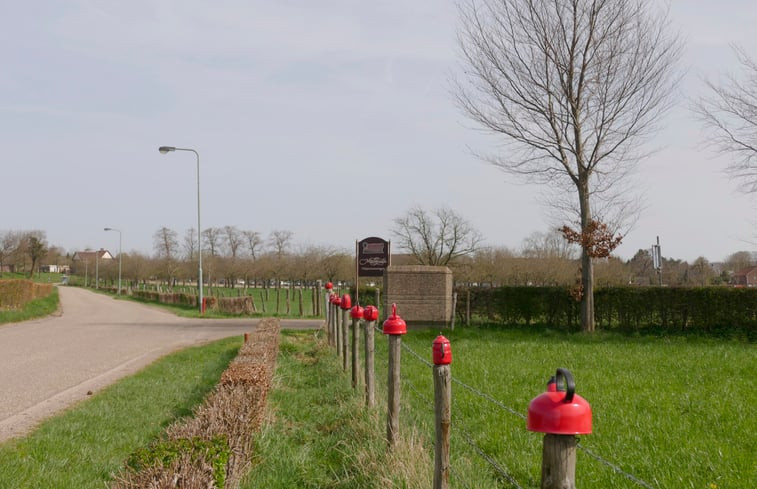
column 709, row 310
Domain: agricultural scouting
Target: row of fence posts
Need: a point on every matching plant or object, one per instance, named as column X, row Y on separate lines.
column 558, row 412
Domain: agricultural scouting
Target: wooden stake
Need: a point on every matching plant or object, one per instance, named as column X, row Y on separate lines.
column 442, row 410
column 393, row 391
column 355, row 353
column 558, row 463
column 370, row 386
column 345, row 338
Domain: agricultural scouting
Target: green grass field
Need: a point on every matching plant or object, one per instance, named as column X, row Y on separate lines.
column 675, row 413
column 86, row 445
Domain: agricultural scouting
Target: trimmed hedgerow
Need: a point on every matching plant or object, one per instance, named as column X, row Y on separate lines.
column 708, row 310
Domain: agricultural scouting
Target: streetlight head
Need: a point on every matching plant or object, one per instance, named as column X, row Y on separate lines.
column 166, row 149
column 106, row 229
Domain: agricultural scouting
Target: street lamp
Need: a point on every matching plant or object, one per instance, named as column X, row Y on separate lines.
column 164, row 150
column 119, row 257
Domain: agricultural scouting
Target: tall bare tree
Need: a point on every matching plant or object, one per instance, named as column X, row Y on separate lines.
column 166, row 246
column 190, row 244
column 254, row 243
column 280, row 240
column 572, row 87
column 730, row 114
column 436, row 238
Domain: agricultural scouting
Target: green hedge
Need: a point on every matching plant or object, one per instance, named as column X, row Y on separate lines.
column 707, row 309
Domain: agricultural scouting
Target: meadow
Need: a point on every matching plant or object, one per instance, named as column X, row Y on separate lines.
column 667, row 412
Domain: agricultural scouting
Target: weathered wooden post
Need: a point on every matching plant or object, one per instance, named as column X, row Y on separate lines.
column 467, row 309
column 562, row 415
column 346, row 305
column 370, row 315
column 395, row 327
column 454, row 311
column 337, row 324
column 356, row 313
column 442, row 355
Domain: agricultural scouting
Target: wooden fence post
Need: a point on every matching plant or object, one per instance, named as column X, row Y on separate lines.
column 337, row 330
column 558, row 463
column 395, row 327
column 393, row 390
column 442, row 355
column 454, row 310
column 467, row 310
column 370, row 387
column 561, row 414
column 356, row 350
column 302, row 308
column 345, row 338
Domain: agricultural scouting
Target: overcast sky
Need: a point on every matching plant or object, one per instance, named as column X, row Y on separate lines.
column 327, row 118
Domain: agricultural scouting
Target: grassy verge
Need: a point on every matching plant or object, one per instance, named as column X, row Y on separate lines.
column 320, row 435
column 673, row 412
column 84, row 446
column 33, row 309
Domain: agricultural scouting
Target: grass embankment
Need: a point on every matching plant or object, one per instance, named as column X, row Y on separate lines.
column 86, row 445
column 33, row 309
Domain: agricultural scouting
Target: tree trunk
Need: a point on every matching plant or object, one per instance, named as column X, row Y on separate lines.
column 587, row 267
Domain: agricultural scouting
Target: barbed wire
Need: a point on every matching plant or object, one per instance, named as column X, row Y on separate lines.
column 504, row 407
column 615, row 468
column 495, row 465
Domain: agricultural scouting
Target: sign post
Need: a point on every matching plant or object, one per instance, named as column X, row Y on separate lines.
column 372, row 256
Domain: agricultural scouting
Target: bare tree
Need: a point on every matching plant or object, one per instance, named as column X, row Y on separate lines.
column 730, row 114
column 438, row 238
column 254, row 243
column 232, row 238
column 166, row 245
column 190, row 244
column 212, row 238
column 280, row 241
column 9, row 242
column 573, row 87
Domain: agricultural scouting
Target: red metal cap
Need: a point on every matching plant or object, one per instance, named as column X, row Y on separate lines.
column 332, row 298
column 337, row 300
column 370, row 313
column 357, row 312
column 394, row 324
column 442, row 351
column 560, row 412
column 346, row 302
column 329, row 286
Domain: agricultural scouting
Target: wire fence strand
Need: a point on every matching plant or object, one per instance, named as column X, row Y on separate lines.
column 615, row 468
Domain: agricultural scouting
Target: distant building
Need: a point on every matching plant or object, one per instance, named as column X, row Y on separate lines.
column 746, row 277
column 91, row 256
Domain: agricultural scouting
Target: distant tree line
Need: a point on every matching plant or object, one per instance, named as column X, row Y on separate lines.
column 238, row 258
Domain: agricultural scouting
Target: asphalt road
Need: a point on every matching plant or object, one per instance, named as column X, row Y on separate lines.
column 47, row 365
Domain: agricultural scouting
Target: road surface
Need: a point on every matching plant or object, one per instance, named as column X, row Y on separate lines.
column 47, row 365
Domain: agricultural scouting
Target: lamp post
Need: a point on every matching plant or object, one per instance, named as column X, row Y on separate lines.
column 164, row 150
column 119, row 257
